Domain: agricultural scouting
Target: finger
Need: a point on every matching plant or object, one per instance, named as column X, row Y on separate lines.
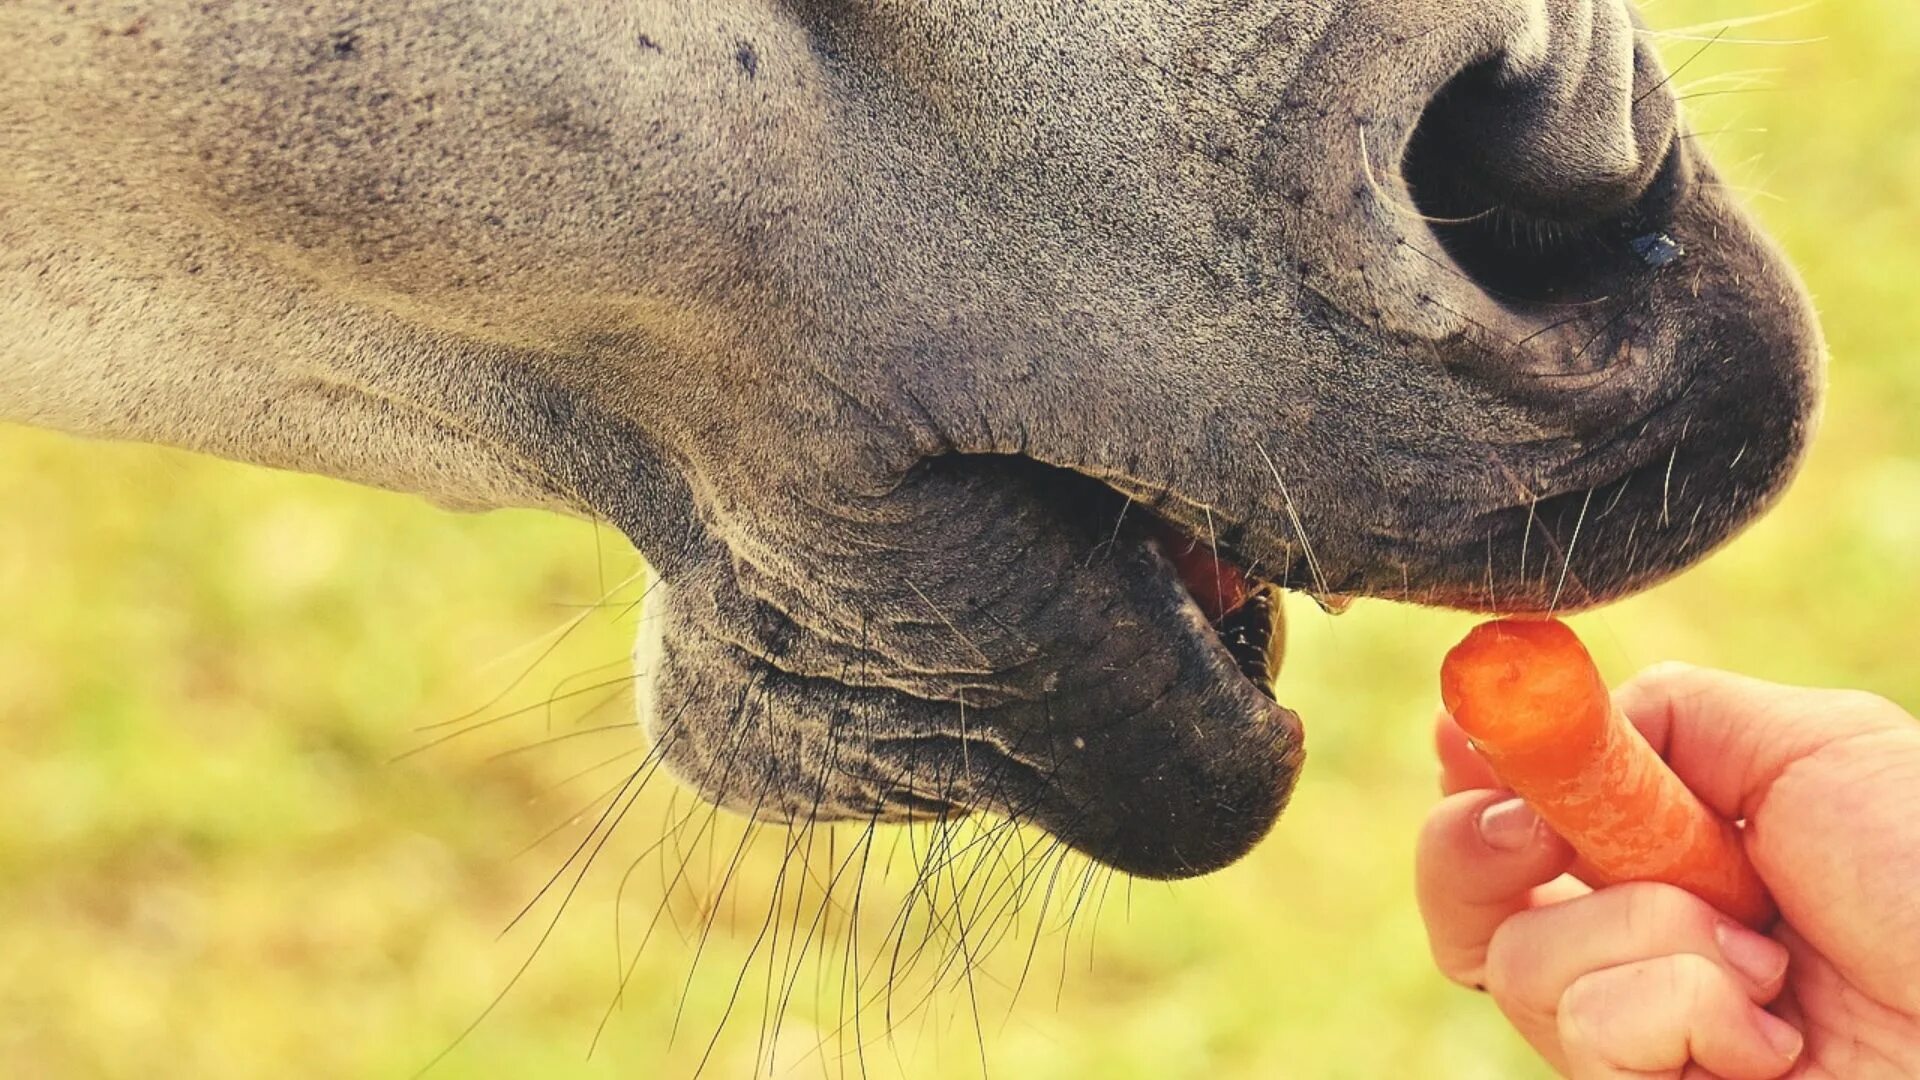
column 1729, row 737
column 1655, row 1017
column 1461, row 766
column 1536, row 955
column 1825, row 781
column 1479, row 858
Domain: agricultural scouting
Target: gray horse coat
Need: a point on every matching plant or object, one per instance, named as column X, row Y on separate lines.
column 908, row 339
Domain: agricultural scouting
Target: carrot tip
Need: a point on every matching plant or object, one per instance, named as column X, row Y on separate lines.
column 1517, row 680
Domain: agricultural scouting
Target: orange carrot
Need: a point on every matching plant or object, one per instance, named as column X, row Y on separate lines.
column 1529, row 697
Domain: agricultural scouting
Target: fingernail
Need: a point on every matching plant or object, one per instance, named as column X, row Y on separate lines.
column 1760, row 958
column 1782, row 1036
column 1509, row 825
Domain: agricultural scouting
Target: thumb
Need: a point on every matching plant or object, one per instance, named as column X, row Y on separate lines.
column 1825, row 781
column 1730, row 737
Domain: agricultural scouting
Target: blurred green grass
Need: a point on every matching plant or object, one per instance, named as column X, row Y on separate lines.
column 211, row 865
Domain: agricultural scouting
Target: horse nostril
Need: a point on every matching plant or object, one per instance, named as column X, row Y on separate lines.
column 1567, row 122
column 1521, row 258
column 1534, row 188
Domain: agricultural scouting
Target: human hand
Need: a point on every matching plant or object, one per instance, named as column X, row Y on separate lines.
column 1646, row 980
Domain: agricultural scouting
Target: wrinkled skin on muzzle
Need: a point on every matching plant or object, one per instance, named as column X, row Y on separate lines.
column 899, row 335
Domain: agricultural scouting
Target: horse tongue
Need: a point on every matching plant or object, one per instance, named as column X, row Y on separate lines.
column 1218, row 586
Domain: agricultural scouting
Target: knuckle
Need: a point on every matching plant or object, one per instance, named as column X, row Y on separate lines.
column 1603, row 1014
column 1870, row 706
column 1691, row 979
column 1640, row 1017
column 1671, row 681
column 1514, row 974
column 1654, row 911
column 1584, row 1008
column 1666, row 685
column 1666, row 673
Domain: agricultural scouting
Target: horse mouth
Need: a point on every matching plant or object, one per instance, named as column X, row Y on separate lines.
column 1245, row 612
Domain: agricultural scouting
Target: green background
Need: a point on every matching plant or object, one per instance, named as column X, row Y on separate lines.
column 211, row 864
